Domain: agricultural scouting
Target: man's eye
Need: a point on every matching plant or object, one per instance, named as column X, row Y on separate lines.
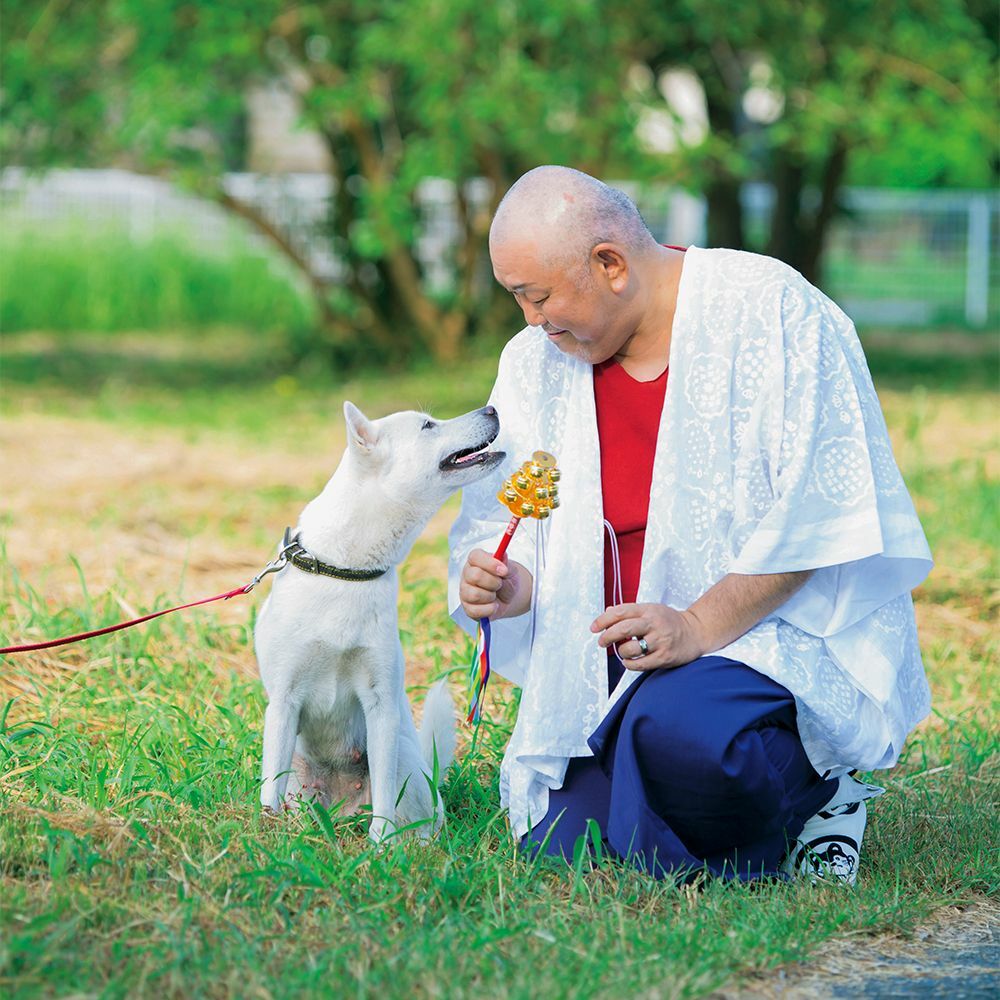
column 539, row 302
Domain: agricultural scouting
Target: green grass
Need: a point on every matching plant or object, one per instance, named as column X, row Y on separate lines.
column 912, row 274
column 77, row 275
column 135, row 861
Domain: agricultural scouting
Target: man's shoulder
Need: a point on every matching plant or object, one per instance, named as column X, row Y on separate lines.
column 744, row 266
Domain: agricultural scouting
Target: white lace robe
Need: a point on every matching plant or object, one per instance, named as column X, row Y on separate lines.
column 772, row 456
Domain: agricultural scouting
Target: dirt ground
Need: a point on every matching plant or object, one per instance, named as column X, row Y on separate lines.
column 956, row 955
column 156, row 507
column 166, row 513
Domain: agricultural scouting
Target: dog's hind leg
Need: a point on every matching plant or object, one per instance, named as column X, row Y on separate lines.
column 419, row 803
column 281, row 722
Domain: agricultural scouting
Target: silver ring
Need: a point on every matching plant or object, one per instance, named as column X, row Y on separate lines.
column 642, row 645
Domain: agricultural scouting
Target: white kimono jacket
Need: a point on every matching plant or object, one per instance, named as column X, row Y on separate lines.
column 772, row 456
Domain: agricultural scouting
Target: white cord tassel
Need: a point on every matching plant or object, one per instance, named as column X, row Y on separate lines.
column 537, row 566
column 616, row 587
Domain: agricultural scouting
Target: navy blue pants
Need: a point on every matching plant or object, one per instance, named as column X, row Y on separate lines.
column 695, row 768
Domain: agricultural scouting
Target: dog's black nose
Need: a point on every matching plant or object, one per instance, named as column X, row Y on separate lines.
column 489, row 411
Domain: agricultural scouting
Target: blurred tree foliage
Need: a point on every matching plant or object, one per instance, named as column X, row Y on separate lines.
column 845, row 78
column 402, row 90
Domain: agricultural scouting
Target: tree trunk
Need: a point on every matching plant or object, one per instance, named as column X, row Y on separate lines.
column 796, row 237
column 787, row 237
column 725, row 214
column 722, row 194
column 834, row 170
column 335, row 329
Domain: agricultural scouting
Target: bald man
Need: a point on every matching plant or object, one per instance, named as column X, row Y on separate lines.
column 716, row 627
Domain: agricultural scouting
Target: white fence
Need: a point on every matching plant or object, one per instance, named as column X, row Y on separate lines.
column 915, row 258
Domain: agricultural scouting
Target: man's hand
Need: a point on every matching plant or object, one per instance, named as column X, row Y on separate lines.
column 493, row 588
column 720, row 616
column 672, row 637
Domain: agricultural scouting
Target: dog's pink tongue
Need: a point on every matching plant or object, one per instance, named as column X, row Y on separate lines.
column 467, row 458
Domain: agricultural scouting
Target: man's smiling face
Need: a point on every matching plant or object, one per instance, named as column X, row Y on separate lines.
column 574, row 306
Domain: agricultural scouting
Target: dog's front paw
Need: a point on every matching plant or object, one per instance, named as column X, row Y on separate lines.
column 380, row 831
column 276, row 808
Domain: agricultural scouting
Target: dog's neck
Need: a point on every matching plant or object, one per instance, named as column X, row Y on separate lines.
column 355, row 525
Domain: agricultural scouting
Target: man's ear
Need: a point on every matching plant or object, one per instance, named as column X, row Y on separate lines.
column 361, row 433
column 612, row 263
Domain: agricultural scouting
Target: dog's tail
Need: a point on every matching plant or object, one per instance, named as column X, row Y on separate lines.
column 437, row 728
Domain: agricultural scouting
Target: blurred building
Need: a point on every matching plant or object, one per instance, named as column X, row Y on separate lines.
column 276, row 142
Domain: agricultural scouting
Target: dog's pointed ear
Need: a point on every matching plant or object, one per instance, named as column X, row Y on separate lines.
column 361, row 433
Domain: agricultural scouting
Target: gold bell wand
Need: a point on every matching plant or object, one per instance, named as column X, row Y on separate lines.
column 533, row 491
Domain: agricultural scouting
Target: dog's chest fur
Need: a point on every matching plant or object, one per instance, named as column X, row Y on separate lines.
column 336, row 638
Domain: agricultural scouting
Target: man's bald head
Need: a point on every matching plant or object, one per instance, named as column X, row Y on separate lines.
column 565, row 213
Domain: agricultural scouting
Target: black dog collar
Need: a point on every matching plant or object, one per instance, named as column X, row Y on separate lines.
column 300, row 557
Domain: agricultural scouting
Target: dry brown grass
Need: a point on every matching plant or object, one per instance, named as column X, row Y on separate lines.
column 141, row 505
column 148, row 512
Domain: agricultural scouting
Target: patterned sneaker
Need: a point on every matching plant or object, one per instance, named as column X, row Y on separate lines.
column 829, row 847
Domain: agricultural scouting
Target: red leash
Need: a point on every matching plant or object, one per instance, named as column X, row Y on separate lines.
column 117, row 628
column 279, row 562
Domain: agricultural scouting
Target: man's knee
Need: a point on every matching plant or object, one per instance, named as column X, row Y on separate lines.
column 669, row 724
column 684, row 745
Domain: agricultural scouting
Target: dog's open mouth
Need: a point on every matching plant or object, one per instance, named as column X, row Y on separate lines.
column 468, row 458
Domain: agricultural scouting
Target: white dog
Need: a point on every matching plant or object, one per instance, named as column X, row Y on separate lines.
column 327, row 639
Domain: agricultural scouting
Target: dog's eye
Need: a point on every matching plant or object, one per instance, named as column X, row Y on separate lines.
column 428, row 425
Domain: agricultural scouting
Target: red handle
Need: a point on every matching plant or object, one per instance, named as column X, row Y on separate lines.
column 507, row 536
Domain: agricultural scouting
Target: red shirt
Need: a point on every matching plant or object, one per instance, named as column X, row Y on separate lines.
column 628, row 420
